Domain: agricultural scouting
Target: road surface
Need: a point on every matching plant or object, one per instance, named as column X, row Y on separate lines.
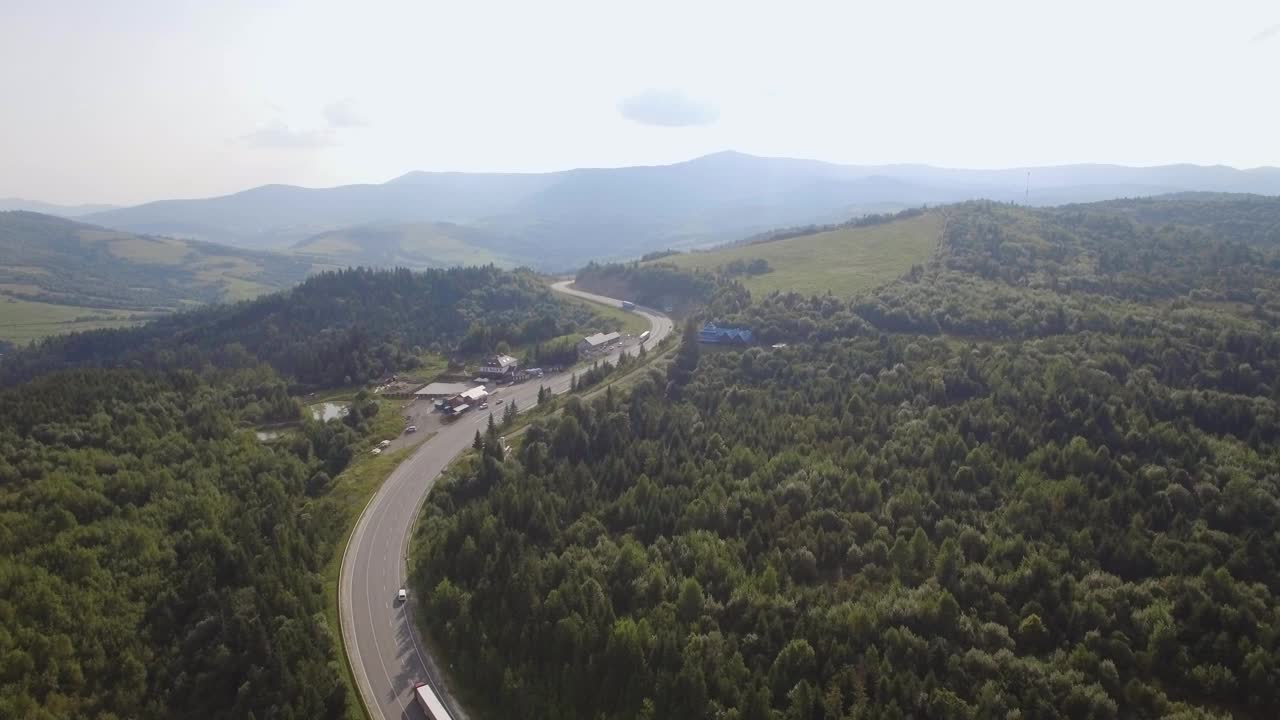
column 385, row 654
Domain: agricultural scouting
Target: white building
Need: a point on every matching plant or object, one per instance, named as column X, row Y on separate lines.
column 465, row 400
column 598, row 341
column 498, row 366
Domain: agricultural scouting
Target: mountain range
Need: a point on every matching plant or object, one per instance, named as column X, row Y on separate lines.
column 67, row 211
column 558, row 220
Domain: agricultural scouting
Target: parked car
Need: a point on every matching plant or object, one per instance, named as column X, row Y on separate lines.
column 484, row 406
column 384, row 443
column 377, row 451
column 411, row 429
column 501, row 400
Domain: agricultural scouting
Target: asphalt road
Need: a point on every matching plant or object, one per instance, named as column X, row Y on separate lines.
column 383, row 648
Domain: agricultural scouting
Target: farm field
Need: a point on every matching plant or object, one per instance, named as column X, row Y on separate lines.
column 22, row 321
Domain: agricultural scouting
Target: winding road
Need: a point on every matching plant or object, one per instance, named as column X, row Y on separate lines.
column 386, row 656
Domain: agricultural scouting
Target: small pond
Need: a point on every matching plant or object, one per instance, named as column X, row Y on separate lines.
column 328, row 411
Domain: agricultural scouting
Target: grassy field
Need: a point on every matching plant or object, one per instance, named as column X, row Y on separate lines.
column 433, row 365
column 22, row 321
column 843, row 261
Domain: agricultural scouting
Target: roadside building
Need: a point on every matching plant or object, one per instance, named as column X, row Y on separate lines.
column 716, row 334
column 498, row 366
column 465, row 400
column 441, row 390
column 597, row 342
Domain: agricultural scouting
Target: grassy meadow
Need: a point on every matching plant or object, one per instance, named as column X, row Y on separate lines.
column 844, row 261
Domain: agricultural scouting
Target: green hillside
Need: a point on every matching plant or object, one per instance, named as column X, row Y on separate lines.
column 1037, row 476
column 844, row 261
column 57, row 275
column 412, row 245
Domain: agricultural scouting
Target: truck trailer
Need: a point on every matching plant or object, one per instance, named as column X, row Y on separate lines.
column 430, row 704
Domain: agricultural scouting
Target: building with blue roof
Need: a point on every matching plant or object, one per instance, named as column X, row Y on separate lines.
column 717, row 334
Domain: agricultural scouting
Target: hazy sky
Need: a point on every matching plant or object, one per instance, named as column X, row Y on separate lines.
column 125, row 101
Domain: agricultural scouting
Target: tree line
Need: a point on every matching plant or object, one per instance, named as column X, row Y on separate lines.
column 337, row 328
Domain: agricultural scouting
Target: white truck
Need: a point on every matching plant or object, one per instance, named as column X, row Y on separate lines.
column 430, row 704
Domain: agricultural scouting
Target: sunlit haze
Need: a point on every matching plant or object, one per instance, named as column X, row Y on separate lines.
column 125, row 102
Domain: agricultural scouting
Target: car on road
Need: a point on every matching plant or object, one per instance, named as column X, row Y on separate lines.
column 501, row 400
column 411, row 429
column 402, row 595
column 484, row 406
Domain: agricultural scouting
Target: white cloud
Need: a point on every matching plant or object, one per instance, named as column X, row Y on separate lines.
column 1267, row 34
column 344, row 114
column 668, row 108
column 277, row 134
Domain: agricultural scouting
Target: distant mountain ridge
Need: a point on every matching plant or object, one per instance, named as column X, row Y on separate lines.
column 67, row 211
column 561, row 219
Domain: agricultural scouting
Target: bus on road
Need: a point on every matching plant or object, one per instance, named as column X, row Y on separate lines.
column 430, row 704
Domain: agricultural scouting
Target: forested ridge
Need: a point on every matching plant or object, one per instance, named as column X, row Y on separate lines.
column 1036, row 477
column 337, row 328
column 156, row 559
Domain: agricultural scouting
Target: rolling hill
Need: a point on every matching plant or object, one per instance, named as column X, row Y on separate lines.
column 559, row 219
column 58, row 275
column 412, row 245
column 68, row 211
column 844, row 261
column 1036, row 476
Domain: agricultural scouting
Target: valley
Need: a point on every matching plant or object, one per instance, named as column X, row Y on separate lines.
column 619, row 361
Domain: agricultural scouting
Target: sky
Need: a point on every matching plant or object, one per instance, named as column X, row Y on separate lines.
column 136, row 100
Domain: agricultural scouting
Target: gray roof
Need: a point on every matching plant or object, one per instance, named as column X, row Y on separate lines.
column 601, row 339
column 442, row 389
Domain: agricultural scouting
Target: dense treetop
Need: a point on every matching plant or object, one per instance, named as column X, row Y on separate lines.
column 336, row 328
column 157, row 560
column 1037, row 475
column 1252, row 219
